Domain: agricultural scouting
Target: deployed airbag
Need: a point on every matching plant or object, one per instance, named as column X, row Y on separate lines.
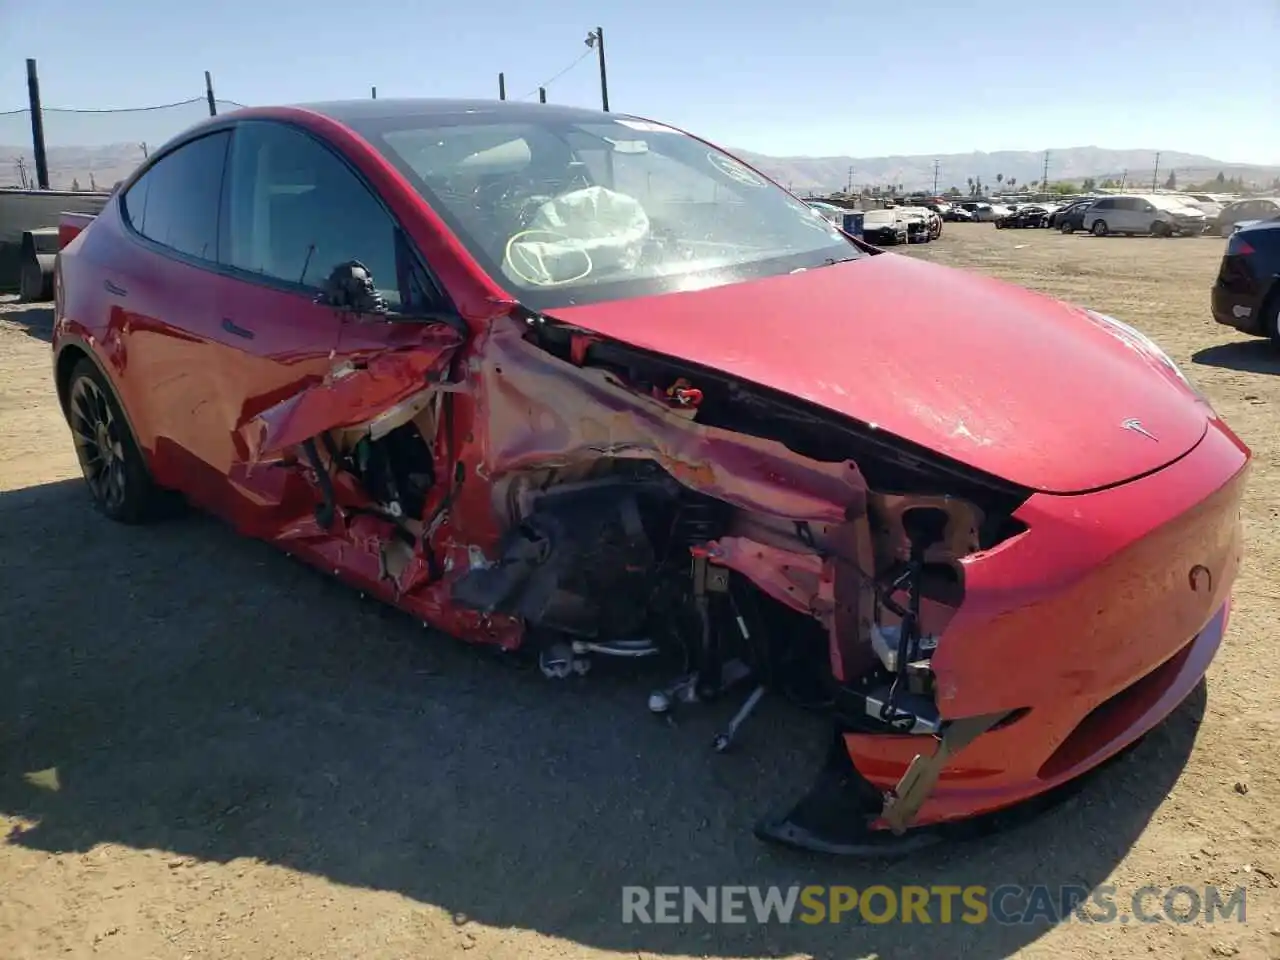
column 572, row 236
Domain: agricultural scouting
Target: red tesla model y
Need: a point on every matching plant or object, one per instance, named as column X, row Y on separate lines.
column 584, row 385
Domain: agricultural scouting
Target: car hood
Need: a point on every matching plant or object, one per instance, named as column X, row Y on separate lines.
column 990, row 374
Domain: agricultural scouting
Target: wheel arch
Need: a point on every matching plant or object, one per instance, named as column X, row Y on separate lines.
column 70, row 352
column 1270, row 302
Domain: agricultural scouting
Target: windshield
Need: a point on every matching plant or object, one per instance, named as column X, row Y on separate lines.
column 568, row 211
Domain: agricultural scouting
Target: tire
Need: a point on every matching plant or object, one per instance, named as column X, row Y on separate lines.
column 1160, row 229
column 1271, row 318
column 119, row 484
column 1066, row 227
column 1099, row 228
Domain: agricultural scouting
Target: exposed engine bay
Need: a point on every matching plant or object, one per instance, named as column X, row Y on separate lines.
column 749, row 543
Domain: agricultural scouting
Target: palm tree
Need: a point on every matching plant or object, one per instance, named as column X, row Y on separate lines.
column 970, row 182
column 1000, row 179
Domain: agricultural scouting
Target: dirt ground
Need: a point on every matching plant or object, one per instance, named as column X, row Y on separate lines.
column 252, row 762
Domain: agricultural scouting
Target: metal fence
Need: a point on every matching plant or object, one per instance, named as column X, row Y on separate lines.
column 77, row 149
column 90, row 150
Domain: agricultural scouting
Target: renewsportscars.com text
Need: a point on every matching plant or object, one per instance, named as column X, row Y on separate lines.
column 939, row 904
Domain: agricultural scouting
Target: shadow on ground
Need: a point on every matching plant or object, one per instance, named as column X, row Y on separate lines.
column 1249, row 356
column 206, row 695
column 35, row 319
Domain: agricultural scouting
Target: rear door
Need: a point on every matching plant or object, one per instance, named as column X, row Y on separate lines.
column 291, row 366
column 166, row 292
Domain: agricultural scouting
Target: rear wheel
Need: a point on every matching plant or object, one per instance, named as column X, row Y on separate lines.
column 1160, row 229
column 1271, row 318
column 1066, row 227
column 1099, row 228
column 109, row 457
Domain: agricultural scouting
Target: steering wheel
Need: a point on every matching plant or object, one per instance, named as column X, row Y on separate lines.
column 532, row 271
column 517, row 199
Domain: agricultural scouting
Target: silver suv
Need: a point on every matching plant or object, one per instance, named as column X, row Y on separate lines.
column 1156, row 214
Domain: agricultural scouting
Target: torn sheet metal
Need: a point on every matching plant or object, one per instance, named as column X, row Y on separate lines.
column 352, row 394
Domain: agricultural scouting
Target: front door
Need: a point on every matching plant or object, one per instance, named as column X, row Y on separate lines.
column 292, row 367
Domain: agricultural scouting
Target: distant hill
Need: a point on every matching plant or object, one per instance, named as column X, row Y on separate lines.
column 109, row 163
column 103, row 165
column 1074, row 163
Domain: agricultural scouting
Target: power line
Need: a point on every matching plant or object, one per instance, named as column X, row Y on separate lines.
column 158, row 106
column 546, row 83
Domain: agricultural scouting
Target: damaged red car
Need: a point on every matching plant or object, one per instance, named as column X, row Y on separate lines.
column 584, row 385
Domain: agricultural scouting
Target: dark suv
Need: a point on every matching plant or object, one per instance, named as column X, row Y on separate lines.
column 1071, row 217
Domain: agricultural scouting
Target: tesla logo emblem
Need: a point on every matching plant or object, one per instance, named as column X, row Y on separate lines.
column 1201, row 579
column 1137, row 427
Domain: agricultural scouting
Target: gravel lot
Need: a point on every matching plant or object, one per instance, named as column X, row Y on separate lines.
column 252, row 762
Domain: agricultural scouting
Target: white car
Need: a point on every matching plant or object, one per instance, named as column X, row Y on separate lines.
column 931, row 218
column 1159, row 215
column 986, row 212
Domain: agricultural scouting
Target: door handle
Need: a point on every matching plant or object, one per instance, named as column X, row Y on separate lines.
column 114, row 289
column 233, row 328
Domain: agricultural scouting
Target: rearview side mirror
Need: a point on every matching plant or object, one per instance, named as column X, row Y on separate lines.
column 350, row 287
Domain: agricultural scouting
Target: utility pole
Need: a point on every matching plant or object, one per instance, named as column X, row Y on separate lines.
column 848, row 187
column 502, row 86
column 542, row 94
column 208, row 94
column 37, row 126
column 22, row 173
column 1155, row 174
column 936, row 165
column 373, row 93
column 1044, row 182
column 595, row 38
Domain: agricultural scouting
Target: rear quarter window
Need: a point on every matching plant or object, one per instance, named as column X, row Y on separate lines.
column 175, row 203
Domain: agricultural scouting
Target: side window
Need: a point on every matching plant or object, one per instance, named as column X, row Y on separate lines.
column 297, row 210
column 175, row 203
column 1105, row 204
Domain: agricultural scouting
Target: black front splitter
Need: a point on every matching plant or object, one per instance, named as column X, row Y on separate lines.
column 834, row 817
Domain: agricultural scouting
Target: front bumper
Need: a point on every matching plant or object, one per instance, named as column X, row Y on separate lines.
column 1094, row 624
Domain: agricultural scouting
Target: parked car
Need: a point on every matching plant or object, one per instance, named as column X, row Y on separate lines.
column 1246, row 293
column 957, row 214
column 1207, row 204
column 933, row 222
column 940, row 207
column 485, row 362
column 1244, row 211
column 917, row 221
column 985, row 212
column 1029, row 215
column 884, row 228
column 828, row 211
column 1070, row 218
column 1159, row 215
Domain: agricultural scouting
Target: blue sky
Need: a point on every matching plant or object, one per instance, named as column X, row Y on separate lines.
column 819, row 78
